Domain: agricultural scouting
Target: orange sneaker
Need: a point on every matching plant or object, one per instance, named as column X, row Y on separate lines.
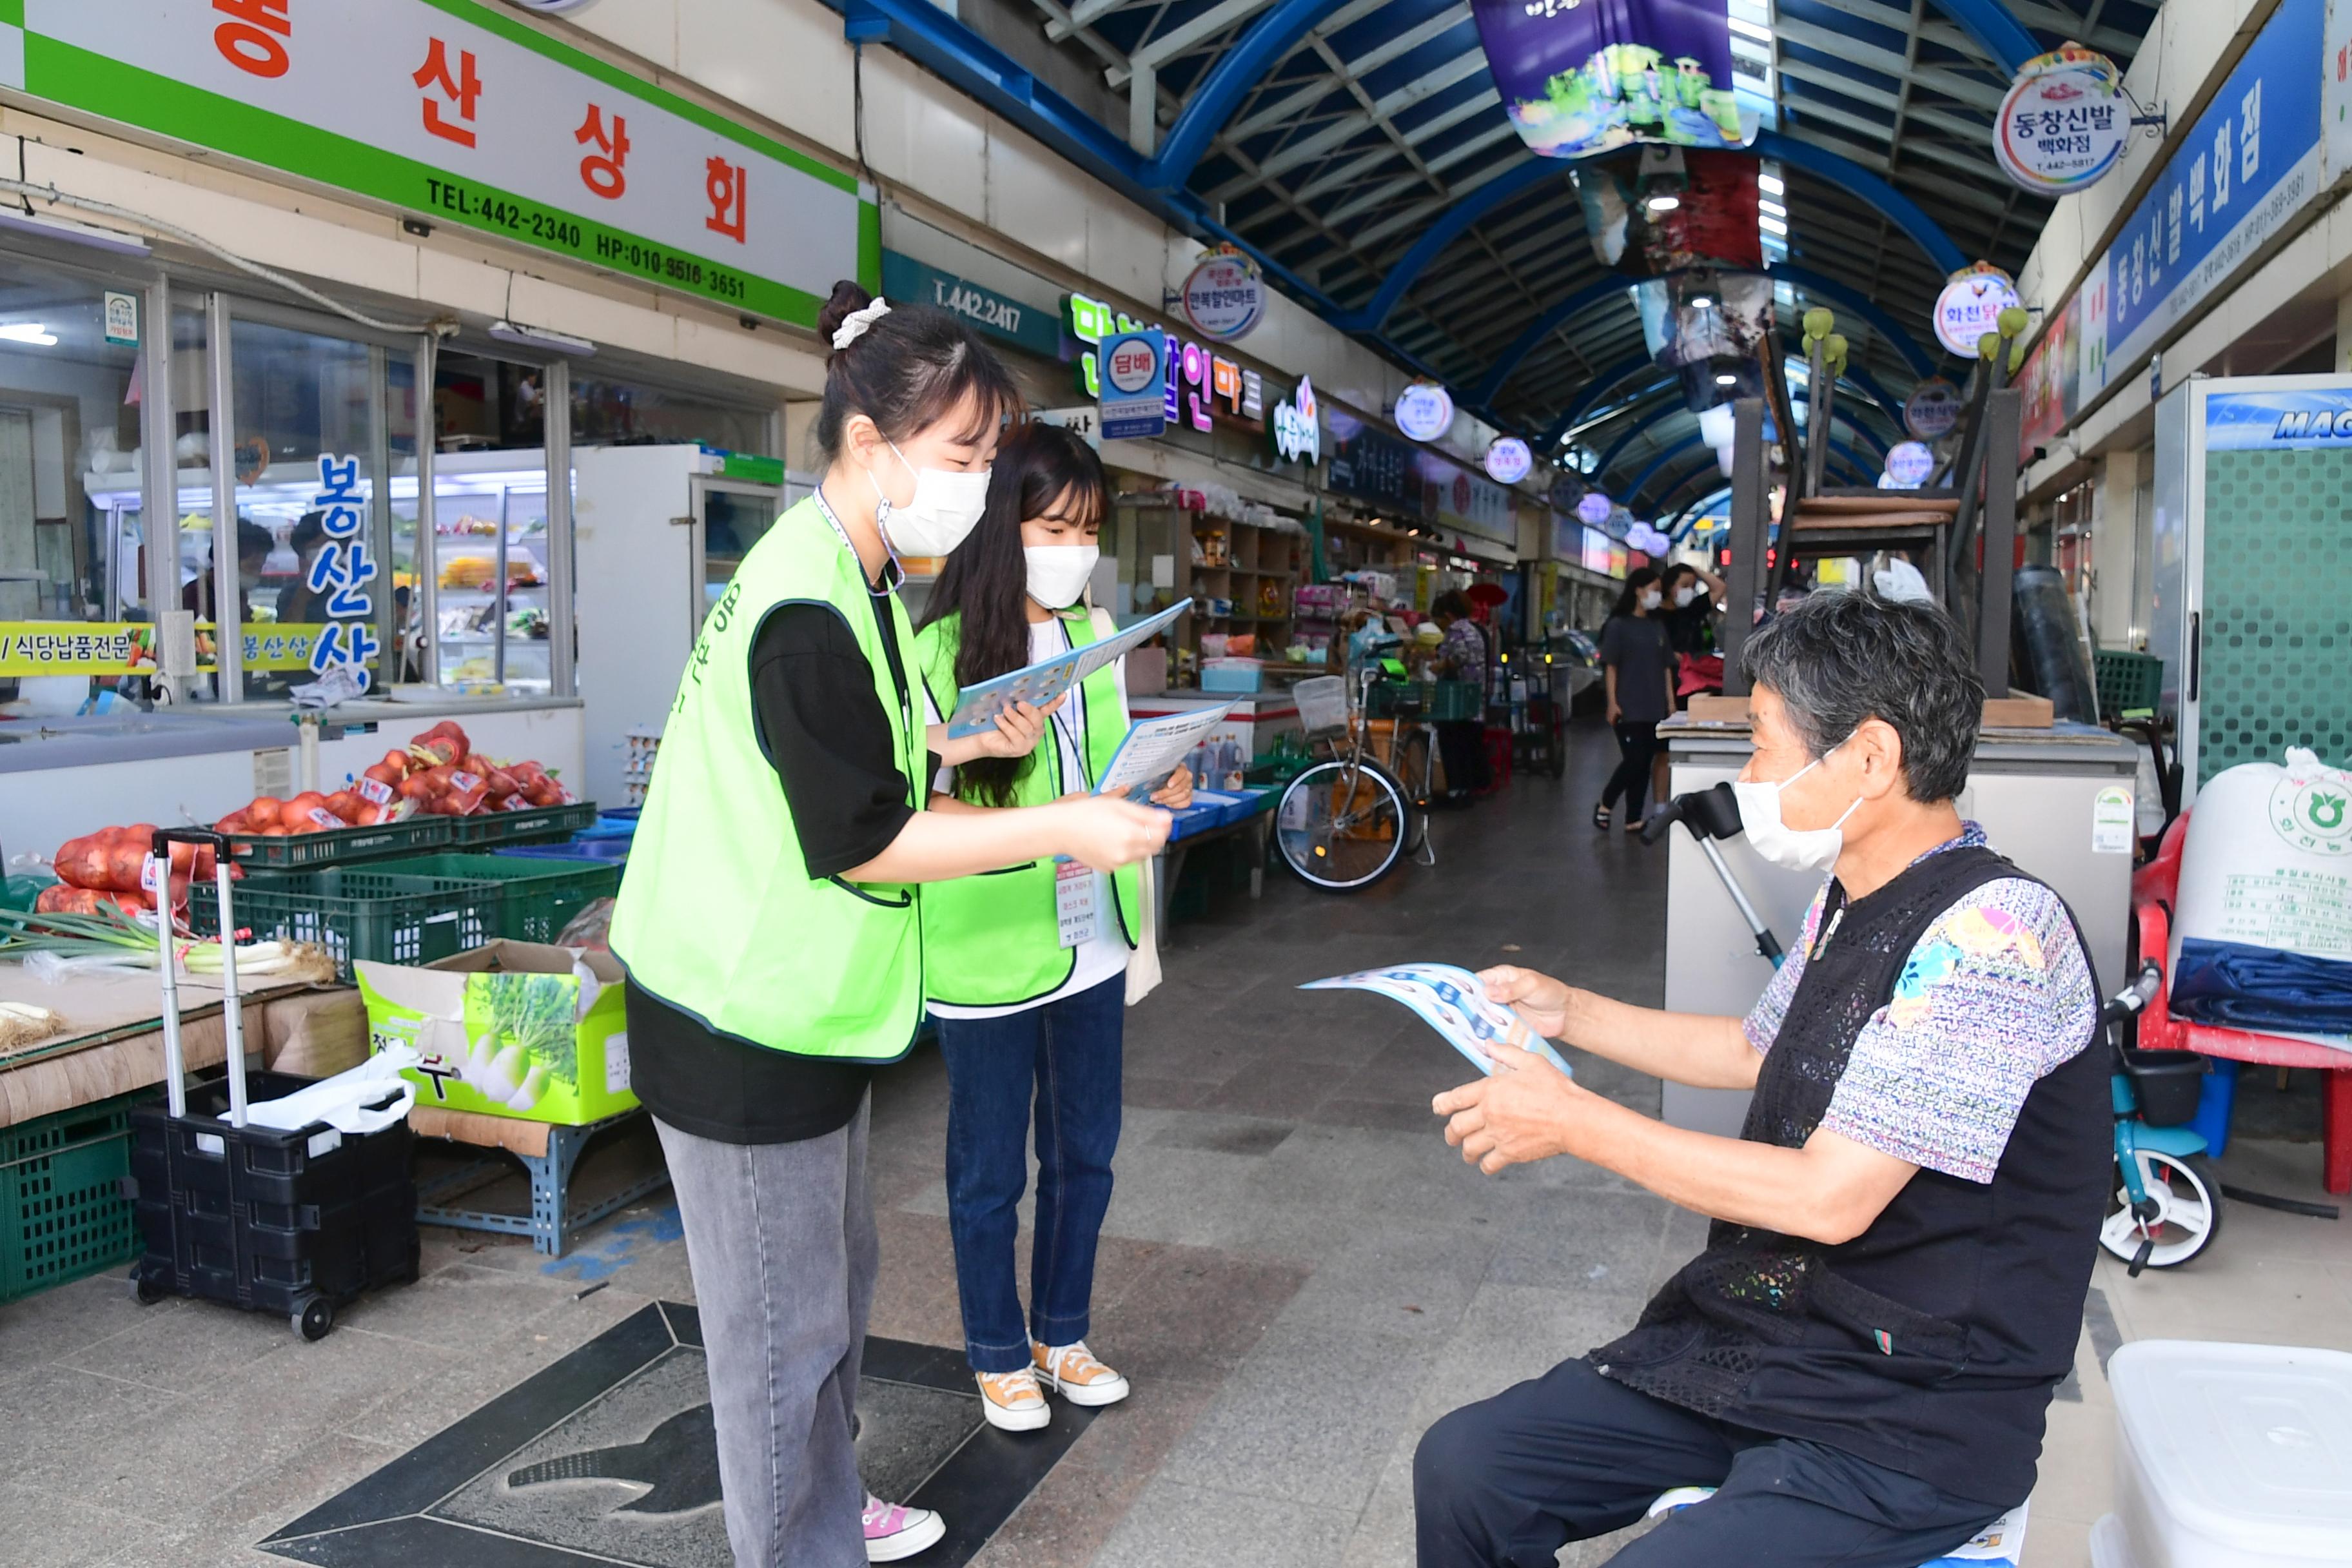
column 1072, row 1372
column 1012, row 1401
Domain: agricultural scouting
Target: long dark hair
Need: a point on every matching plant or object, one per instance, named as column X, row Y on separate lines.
column 906, row 371
column 1636, row 580
column 986, row 580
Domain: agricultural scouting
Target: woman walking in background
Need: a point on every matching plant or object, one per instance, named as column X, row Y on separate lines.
column 1638, row 664
column 1028, row 968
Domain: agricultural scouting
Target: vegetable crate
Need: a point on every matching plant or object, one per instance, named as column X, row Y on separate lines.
column 296, row 1222
column 2126, row 681
column 1438, row 701
column 532, row 825
column 384, row 913
column 338, row 846
column 536, row 898
column 62, row 1212
column 514, row 1028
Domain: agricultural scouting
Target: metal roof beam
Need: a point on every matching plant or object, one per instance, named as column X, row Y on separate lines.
column 1292, row 104
column 1886, row 62
column 1162, row 47
column 1306, row 148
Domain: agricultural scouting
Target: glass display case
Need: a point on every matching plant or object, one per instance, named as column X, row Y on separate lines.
column 492, row 617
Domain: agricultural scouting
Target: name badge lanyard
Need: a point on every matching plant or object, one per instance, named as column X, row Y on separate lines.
column 892, row 574
column 1077, row 916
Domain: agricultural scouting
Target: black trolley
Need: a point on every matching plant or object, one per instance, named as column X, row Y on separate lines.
column 296, row 1223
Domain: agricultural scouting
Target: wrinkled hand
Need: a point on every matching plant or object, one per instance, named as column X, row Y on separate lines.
column 1019, row 728
column 1528, row 1111
column 1176, row 794
column 1540, row 1002
column 1106, row 832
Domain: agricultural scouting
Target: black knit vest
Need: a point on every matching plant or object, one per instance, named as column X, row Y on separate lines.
column 1930, row 1344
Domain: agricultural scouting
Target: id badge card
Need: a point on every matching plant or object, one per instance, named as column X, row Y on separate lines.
column 1074, row 913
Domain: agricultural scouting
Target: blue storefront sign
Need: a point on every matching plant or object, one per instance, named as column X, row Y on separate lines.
column 1133, row 401
column 2250, row 164
column 2303, row 418
column 909, row 281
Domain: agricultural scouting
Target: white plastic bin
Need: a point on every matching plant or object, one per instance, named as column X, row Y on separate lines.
column 2229, row 1457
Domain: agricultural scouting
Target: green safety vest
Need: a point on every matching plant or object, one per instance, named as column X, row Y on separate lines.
column 994, row 940
column 718, row 915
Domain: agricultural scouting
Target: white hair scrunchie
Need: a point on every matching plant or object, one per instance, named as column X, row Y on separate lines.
column 852, row 326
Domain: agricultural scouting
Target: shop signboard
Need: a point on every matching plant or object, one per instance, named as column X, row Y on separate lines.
column 1467, row 501
column 1224, row 296
column 1297, row 425
column 2304, row 419
column 1372, row 466
column 458, row 112
column 2051, row 379
column 121, row 319
column 1933, row 409
column 1909, row 464
column 1203, row 388
column 1508, row 461
column 1594, row 557
column 108, row 648
column 1595, row 508
column 2249, row 166
column 909, row 281
column 1579, row 79
column 2063, row 123
column 1083, row 419
column 1424, row 411
column 1134, row 402
column 1970, row 306
column 342, row 572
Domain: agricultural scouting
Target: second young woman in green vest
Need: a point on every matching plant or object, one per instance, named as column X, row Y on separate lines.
column 1028, row 966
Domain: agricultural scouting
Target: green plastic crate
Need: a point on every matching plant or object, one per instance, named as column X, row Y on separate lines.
column 339, row 845
column 62, row 1210
column 381, row 911
column 532, row 825
column 537, row 899
column 2126, row 681
column 1441, row 700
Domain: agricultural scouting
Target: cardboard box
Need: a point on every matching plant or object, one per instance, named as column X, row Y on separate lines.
column 508, row 1029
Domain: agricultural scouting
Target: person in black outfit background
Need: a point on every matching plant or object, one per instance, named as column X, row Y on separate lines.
column 1639, row 665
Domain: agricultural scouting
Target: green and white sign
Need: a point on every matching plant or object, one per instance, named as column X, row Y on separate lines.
column 911, row 282
column 457, row 113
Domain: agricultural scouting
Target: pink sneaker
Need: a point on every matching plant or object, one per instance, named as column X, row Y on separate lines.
column 893, row 1532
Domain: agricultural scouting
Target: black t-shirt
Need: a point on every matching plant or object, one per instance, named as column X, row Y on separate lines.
column 1691, row 628
column 829, row 739
column 1636, row 645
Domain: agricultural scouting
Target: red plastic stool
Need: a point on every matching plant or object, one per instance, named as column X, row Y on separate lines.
column 1499, row 746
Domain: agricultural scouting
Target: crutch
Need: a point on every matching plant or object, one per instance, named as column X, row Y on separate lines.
column 1713, row 814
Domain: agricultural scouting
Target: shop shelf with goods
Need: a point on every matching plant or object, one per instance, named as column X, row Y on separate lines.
column 490, row 563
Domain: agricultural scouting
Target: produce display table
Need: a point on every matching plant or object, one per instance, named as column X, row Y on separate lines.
column 549, row 1155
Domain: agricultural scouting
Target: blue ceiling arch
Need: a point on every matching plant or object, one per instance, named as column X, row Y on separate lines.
column 1515, row 181
column 1607, row 377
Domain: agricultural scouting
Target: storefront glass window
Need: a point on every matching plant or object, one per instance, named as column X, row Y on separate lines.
column 628, row 414
column 68, row 448
column 488, row 558
column 481, row 404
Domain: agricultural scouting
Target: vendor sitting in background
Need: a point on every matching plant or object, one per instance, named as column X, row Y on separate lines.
column 1861, row 1360
column 1461, row 655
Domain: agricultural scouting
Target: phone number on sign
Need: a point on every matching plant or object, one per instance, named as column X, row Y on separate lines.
column 524, row 220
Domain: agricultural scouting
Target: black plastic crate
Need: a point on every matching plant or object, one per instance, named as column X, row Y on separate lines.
column 297, row 1224
column 2168, row 1085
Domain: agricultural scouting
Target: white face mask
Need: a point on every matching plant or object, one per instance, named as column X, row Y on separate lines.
column 1059, row 573
column 1798, row 850
column 946, row 508
column 1685, row 594
column 248, row 581
column 1649, row 598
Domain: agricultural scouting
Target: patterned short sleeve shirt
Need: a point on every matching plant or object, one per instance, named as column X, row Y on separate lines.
column 1996, row 994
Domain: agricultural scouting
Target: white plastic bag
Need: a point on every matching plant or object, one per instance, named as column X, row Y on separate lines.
column 341, row 1102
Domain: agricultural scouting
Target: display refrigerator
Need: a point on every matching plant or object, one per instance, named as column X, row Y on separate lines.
column 2252, row 555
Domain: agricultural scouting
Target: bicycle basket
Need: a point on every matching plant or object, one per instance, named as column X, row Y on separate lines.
column 2168, row 1084
column 1322, row 704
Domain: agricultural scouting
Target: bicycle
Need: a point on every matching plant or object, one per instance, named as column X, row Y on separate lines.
column 1346, row 821
column 2166, row 1207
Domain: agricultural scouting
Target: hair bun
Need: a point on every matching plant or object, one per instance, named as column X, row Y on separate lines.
column 848, row 296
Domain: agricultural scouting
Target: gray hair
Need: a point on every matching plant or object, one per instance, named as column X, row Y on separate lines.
column 1838, row 657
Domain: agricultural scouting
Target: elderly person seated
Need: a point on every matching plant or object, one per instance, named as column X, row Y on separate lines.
column 1861, row 1360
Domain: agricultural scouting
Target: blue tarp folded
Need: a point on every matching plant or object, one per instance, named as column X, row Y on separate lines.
column 2247, row 987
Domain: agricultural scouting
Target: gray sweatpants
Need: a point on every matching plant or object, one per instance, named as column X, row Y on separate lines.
column 781, row 1240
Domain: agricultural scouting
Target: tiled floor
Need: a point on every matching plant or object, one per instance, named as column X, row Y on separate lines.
column 1297, row 1273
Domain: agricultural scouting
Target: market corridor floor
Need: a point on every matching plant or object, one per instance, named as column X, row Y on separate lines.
column 1296, row 1272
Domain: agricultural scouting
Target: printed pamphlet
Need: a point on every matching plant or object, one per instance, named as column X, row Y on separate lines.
column 1155, row 748
column 1040, row 683
column 1453, row 1003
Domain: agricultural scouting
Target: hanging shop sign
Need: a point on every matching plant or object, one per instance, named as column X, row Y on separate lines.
column 1134, row 397
column 2244, row 175
column 1970, row 306
column 1202, row 388
column 1909, row 465
column 1579, row 79
column 459, row 113
column 1373, row 466
column 1224, row 296
column 1297, row 425
column 2063, row 123
column 342, row 572
column 994, row 315
column 1933, row 409
column 1595, row 508
column 1508, row 461
column 1424, row 411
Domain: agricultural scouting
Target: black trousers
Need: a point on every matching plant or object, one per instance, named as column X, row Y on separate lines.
column 1507, row 1482
column 1638, row 743
column 1462, row 746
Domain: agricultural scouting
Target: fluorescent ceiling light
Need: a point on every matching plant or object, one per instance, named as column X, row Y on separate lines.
column 1771, row 184
column 1702, row 302
column 1775, row 208
column 29, row 332
column 1750, row 30
column 540, row 338
column 1665, row 204
column 1771, row 224
column 97, row 238
column 1725, row 378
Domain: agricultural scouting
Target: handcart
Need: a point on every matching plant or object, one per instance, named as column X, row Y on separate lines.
column 296, row 1222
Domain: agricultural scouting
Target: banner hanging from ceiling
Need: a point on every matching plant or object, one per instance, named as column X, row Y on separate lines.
column 1582, row 78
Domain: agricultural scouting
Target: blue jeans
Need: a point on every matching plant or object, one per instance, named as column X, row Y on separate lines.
column 1069, row 1051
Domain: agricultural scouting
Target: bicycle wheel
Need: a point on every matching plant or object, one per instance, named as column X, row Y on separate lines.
column 2188, row 1210
column 1342, row 826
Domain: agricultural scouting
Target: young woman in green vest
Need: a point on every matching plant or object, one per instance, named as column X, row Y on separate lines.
column 771, row 924
column 1028, row 974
